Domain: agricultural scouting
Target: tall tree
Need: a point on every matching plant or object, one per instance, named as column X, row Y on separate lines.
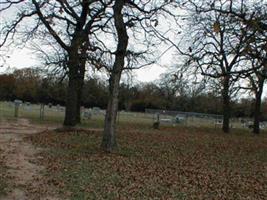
column 214, row 43
column 69, row 23
column 256, row 80
column 253, row 15
column 133, row 22
column 109, row 139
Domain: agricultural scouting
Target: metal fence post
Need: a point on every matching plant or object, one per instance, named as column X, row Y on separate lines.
column 42, row 112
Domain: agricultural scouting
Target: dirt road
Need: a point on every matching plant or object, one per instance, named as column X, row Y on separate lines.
column 24, row 174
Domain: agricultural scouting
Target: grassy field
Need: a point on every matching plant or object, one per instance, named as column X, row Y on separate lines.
column 55, row 115
column 171, row 163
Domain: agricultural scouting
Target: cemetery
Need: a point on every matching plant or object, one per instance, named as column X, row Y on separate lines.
column 133, row 100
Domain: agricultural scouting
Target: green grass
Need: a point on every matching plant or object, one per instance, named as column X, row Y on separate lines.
column 171, row 163
column 139, row 120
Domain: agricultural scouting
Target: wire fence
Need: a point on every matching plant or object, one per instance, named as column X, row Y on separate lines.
column 94, row 117
column 186, row 118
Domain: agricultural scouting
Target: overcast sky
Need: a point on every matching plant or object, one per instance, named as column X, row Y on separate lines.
column 21, row 58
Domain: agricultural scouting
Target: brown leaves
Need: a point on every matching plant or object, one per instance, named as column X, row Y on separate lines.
column 216, row 27
column 168, row 164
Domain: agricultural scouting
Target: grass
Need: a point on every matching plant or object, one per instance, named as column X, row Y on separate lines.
column 171, row 163
column 53, row 116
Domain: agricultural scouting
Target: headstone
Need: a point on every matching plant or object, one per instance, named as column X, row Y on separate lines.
column 156, row 122
column 96, row 110
column 179, row 118
column 28, row 106
column 87, row 114
column 17, row 103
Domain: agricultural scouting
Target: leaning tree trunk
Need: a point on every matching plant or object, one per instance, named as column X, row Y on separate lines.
column 257, row 108
column 226, row 105
column 109, row 135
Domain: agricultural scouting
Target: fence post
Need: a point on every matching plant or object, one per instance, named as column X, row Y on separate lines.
column 16, row 110
column 42, row 112
column 157, row 122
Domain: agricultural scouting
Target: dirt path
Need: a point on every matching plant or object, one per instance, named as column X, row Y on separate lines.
column 25, row 175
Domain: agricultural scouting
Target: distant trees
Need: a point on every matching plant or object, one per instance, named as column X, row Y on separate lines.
column 26, row 83
column 142, row 96
column 7, row 85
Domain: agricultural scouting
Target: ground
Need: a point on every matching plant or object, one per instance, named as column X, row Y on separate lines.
column 21, row 174
column 170, row 163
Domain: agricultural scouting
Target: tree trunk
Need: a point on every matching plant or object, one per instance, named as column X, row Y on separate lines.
column 256, row 125
column 226, row 105
column 79, row 100
column 76, row 66
column 257, row 108
column 80, row 92
column 109, row 135
column 81, row 74
column 71, row 102
column 72, row 93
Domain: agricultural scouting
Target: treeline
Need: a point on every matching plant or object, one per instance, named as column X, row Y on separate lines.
column 33, row 86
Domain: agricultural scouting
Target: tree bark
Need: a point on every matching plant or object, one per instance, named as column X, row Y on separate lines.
column 257, row 107
column 72, row 92
column 71, row 101
column 76, row 66
column 80, row 89
column 109, row 135
column 79, row 100
column 226, row 105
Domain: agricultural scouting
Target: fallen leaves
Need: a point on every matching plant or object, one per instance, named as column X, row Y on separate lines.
column 167, row 164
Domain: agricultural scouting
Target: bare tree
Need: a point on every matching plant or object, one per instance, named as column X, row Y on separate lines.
column 253, row 15
column 134, row 39
column 256, row 80
column 215, row 44
column 69, row 23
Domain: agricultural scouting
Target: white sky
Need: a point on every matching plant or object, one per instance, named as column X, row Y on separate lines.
column 22, row 58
